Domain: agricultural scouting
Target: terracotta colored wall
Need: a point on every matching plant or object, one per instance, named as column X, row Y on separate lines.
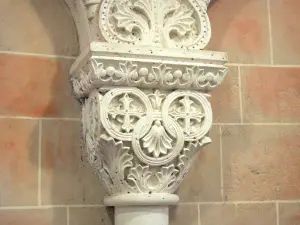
column 249, row 175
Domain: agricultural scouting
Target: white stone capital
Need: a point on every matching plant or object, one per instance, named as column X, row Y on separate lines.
column 144, row 82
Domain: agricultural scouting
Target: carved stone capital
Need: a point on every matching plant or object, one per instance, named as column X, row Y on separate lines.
column 145, row 114
column 144, row 83
column 144, row 141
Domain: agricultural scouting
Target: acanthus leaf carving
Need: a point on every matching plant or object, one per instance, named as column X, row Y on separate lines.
column 146, row 180
column 159, row 154
column 115, row 159
column 139, row 176
column 167, row 178
column 181, row 21
column 144, row 83
column 186, row 159
column 128, row 19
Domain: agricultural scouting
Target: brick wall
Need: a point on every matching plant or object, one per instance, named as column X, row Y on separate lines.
column 250, row 174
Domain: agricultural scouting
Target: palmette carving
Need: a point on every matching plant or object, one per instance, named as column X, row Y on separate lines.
column 137, row 143
column 157, row 141
column 163, row 23
column 166, row 23
column 146, row 75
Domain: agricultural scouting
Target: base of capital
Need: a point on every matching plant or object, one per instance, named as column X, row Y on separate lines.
column 143, row 199
column 145, row 215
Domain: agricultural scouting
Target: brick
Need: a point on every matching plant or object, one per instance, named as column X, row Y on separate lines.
column 258, row 214
column 39, row 26
column 37, row 87
column 225, row 99
column 56, row 216
column 246, row 214
column 240, row 27
column 285, row 31
column 66, row 176
column 289, row 213
column 18, row 162
column 224, row 214
column 91, row 216
column 271, row 94
column 203, row 181
column 261, row 162
column 184, row 214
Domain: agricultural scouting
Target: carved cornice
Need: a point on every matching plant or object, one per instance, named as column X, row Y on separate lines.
column 144, row 82
column 143, row 67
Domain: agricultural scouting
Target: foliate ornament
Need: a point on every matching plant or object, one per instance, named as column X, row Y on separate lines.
column 157, row 147
column 143, row 80
column 115, row 160
column 157, row 141
column 204, row 80
column 146, row 75
column 146, row 181
column 164, row 23
column 186, row 159
column 144, row 140
column 156, row 99
column 91, row 127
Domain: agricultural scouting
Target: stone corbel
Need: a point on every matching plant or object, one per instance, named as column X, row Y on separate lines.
column 144, row 83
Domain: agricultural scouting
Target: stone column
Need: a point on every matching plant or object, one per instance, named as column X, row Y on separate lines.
column 144, row 83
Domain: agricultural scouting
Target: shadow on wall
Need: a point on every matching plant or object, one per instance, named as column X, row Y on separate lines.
column 66, row 177
column 240, row 28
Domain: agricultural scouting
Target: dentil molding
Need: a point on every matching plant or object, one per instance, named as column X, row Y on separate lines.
column 144, row 82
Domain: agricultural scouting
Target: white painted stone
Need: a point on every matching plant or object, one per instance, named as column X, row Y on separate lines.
column 142, row 199
column 144, row 82
column 145, row 215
